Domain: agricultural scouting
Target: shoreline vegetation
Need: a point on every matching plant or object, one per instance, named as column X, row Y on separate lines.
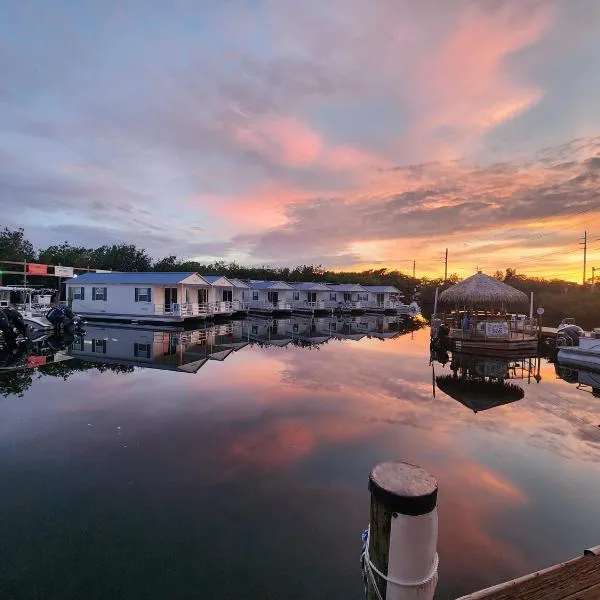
column 559, row 298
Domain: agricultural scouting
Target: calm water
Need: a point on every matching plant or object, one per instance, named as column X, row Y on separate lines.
column 239, row 470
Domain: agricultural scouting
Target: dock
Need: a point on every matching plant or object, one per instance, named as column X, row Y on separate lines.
column 575, row 579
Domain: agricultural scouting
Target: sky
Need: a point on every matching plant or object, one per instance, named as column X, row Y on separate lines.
column 347, row 133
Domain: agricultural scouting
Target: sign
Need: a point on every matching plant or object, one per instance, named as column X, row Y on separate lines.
column 496, row 329
column 63, row 271
column 540, row 311
column 36, row 269
column 102, row 271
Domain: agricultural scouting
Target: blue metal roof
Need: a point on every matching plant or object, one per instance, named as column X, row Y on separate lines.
column 382, row 289
column 310, row 286
column 213, row 278
column 266, row 285
column 142, row 278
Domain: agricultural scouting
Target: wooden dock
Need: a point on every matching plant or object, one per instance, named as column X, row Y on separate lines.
column 576, row 579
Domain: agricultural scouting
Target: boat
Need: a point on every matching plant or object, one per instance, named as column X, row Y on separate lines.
column 478, row 321
column 579, row 350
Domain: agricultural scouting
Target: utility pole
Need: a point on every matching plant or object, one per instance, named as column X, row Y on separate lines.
column 414, row 268
column 446, row 267
column 583, row 243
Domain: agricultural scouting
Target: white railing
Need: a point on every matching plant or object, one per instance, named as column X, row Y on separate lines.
column 183, row 310
column 269, row 306
column 320, row 304
column 345, row 304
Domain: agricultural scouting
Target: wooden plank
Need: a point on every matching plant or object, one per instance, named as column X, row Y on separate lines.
column 592, row 593
column 555, row 583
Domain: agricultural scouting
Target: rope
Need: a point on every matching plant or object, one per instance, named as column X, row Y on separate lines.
column 370, row 570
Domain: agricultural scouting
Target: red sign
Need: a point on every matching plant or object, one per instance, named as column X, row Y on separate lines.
column 36, row 269
column 36, row 361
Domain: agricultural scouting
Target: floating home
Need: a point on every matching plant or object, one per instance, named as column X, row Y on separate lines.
column 270, row 296
column 310, row 297
column 478, row 321
column 270, row 332
column 220, row 295
column 347, row 296
column 383, row 298
column 148, row 297
column 241, row 294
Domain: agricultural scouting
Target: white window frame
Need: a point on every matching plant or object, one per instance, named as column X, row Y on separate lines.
column 78, row 293
column 99, row 346
column 255, row 296
column 296, row 296
column 332, row 296
column 143, row 297
column 99, row 296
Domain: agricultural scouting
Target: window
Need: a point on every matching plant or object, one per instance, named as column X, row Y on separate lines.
column 243, row 295
column 254, row 329
column 227, row 295
column 332, row 296
column 296, row 296
column 143, row 294
column 99, row 346
column 141, row 350
column 78, row 293
column 254, row 295
column 333, row 326
column 98, row 293
column 347, row 297
column 78, row 344
column 295, row 327
column 202, row 296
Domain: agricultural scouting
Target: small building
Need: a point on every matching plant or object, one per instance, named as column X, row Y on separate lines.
column 347, row 296
column 145, row 297
column 477, row 320
column 270, row 296
column 310, row 297
column 383, row 298
column 241, row 294
column 220, row 295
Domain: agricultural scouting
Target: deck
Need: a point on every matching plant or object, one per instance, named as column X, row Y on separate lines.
column 576, row 579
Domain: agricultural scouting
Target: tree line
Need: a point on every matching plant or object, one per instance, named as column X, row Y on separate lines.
column 559, row 297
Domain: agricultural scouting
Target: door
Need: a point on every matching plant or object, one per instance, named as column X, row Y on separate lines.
column 202, row 296
column 380, row 299
column 273, row 297
column 347, row 297
column 312, row 296
column 227, row 295
column 170, row 298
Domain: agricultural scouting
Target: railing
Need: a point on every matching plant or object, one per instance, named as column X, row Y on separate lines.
column 502, row 328
column 320, row 304
column 269, row 306
column 345, row 304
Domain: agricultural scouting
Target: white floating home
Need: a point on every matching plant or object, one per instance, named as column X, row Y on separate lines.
column 347, row 296
column 383, row 298
column 310, row 297
column 241, row 294
column 148, row 297
column 270, row 296
column 220, row 295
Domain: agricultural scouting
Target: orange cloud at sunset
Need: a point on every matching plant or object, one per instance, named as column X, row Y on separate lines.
column 344, row 133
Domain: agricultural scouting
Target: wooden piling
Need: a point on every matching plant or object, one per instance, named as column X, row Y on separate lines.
column 402, row 544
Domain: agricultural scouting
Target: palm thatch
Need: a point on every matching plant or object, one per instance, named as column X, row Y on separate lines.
column 482, row 290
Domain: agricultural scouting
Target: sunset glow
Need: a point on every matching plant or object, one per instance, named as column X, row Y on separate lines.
column 343, row 133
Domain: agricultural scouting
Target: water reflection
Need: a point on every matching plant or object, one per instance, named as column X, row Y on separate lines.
column 584, row 380
column 158, row 483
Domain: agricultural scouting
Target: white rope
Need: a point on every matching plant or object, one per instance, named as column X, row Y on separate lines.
column 371, row 569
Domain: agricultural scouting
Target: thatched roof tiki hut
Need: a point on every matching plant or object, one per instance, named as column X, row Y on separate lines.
column 477, row 315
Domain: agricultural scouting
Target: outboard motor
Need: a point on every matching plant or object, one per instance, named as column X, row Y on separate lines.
column 62, row 317
column 569, row 335
column 16, row 320
column 7, row 329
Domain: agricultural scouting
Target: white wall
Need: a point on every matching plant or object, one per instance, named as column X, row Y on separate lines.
column 120, row 299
